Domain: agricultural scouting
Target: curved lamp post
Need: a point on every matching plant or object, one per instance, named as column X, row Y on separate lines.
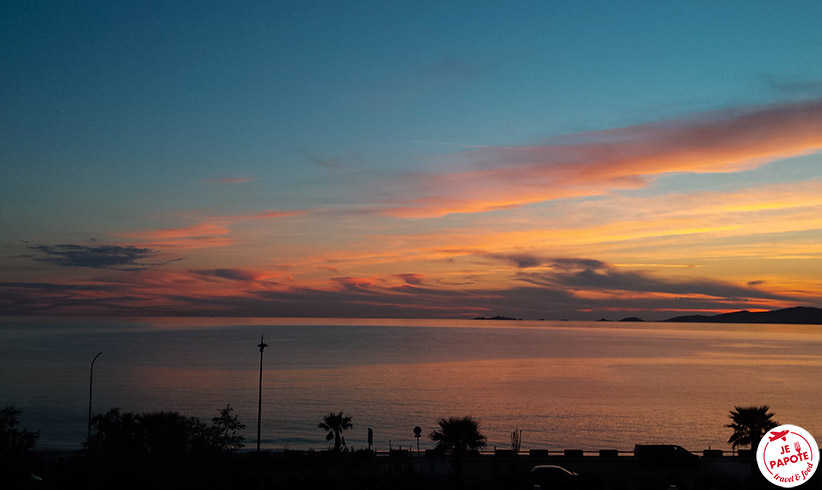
column 90, row 386
column 262, row 345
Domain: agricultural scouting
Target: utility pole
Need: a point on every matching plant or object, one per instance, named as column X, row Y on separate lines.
column 262, row 345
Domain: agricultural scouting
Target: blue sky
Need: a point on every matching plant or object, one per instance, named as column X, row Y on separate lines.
column 121, row 118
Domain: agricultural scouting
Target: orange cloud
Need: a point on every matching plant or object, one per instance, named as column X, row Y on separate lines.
column 624, row 158
column 201, row 235
column 209, row 234
column 267, row 214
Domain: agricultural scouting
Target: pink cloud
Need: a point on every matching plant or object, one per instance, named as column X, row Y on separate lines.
column 623, row 158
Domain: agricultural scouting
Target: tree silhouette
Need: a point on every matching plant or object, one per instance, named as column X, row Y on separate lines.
column 169, row 435
column 15, row 450
column 226, row 431
column 457, row 435
column 335, row 424
column 750, row 424
column 12, row 439
column 114, row 433
column 163, row 435
column 159, row 449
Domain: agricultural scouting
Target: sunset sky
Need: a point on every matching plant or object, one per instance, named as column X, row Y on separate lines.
column 410, row 159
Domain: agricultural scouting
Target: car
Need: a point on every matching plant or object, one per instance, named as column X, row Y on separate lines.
column 665, row 456
column 552, row 477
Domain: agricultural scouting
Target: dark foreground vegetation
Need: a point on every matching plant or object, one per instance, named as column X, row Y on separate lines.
column 125, row 450
column 167, row 450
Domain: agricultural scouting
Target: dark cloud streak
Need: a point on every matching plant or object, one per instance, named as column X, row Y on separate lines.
column 525, row 260
column 794, row 86
column 231, row 274
column 635, row 281
column 98, row 257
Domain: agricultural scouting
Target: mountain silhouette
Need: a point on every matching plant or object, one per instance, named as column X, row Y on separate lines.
column 796, row 315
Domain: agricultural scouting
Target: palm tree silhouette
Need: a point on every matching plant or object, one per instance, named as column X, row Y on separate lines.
column 457, row 435
column 335, row 424
column 750, row 424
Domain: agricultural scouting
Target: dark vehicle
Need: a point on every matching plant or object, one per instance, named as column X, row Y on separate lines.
column 550, row 477
column 665, row 456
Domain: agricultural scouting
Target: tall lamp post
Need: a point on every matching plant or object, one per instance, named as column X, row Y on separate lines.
column 262, row 345
column 90, row 386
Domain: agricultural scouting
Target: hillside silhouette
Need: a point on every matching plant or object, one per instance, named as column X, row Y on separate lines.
column 797, row 315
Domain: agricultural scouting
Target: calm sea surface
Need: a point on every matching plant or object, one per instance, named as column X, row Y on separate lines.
column 566, row 385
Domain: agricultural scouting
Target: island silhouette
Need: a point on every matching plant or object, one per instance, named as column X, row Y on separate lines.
column 797, row 315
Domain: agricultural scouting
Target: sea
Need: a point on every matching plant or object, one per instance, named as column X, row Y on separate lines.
column 563, row 385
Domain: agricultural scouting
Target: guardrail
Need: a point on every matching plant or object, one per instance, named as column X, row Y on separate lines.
column 533, row 453
column 568, row 453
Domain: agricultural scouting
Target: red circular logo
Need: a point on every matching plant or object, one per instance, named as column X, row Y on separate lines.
column 787, row 456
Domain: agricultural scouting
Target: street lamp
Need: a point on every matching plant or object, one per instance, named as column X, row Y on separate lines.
column 90, row 386
column 262, row 345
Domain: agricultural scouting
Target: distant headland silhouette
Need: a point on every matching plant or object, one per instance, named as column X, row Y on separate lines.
column 797, row 315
